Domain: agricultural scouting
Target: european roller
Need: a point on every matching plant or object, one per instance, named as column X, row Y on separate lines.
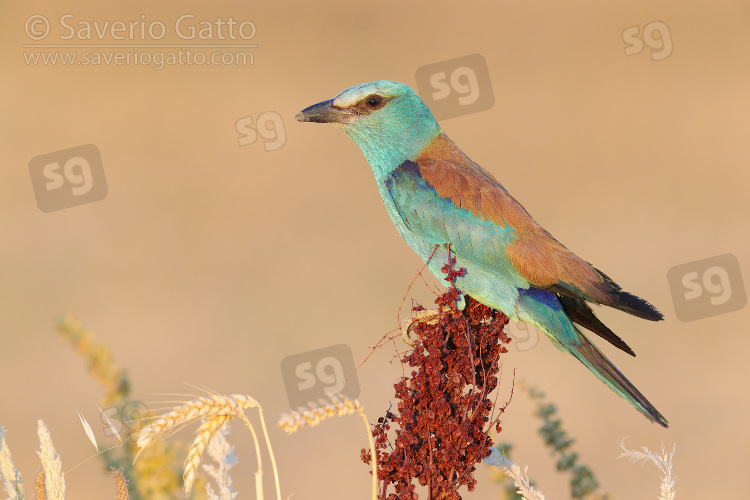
column 438, row 197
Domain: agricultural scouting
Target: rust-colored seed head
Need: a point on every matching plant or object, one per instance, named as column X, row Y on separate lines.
column 444, row 410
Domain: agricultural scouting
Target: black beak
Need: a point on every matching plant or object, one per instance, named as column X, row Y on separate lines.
column 324, row 112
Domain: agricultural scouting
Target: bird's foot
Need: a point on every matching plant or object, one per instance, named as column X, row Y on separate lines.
column 429, row 316
column 461, row 302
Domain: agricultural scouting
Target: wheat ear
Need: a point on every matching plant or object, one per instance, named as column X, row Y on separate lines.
column 207, row 406
column 337, row 405
column 208, row 409
column 203, row 435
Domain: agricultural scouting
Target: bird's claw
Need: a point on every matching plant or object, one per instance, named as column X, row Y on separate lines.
column 429, row 316
column 461, row 302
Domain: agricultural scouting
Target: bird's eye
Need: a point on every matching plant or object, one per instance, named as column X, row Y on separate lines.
column 374, row 101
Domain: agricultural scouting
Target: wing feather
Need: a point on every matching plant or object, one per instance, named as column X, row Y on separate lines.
column 443, row 184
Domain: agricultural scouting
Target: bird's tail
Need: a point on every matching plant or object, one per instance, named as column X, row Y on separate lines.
column 627, row 302
column 543, row 309
column 590, row 355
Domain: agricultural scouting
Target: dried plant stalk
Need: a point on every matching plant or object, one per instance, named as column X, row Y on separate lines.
column 101, row 364
column 223, row 455
column 54, row 480
column 13, row 483
column 663, row 462
column 513, row 470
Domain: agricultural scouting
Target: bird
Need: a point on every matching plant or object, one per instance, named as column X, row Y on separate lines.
column 437, row 197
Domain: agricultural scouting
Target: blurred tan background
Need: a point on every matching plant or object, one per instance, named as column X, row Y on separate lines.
column 209, row 262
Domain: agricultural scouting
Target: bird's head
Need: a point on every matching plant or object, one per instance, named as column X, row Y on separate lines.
column 387, row 120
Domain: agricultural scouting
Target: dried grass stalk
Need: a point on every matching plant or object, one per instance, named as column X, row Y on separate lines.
column 89, row 432
column 8, row 472
column 663, row 462
column 513, row 470
column 54, row 481
column 223, row 455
